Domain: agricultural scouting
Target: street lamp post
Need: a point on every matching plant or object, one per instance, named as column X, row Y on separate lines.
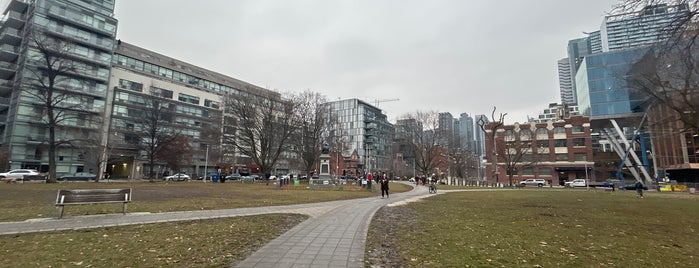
column 206, row 163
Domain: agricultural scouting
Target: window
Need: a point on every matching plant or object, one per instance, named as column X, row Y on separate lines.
column 188, row 98
column 542, row 133
column 525, row 134
column 527, row 171
column 130, row 85
column 545, row 171
column 161, row 92
column 577, row 142
column 561, row 143
column 580, row 157
column 542, row 144
column 559, row 130
column 509, row 135
column 212, row 104
column 578, row 129
column 561, row 157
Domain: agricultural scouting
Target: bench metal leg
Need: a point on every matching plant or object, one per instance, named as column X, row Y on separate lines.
column 123, row 210
column 60, row 211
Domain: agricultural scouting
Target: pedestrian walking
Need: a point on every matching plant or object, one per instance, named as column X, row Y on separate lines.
column 384, row 186
column 639, row 189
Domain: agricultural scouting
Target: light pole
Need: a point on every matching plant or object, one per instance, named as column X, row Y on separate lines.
column 414, row 168
column 206, row 163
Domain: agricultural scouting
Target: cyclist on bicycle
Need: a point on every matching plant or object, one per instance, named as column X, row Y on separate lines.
column 433, row 186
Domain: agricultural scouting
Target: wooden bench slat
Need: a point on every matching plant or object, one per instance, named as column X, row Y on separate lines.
column 92, row 196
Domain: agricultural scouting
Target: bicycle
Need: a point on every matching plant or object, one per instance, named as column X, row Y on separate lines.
column 433, row 188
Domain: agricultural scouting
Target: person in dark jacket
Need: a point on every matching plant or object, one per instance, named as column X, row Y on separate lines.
column 384, row 186
column 639, row 189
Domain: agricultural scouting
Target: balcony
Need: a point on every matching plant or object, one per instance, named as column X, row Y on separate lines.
column 14, row 19
column 7, row 70
column 92, row 42
column 4, row 104
column 55, row 14
column 10, row 36
column 5, row 87
column 18, row 6
column 8, row 52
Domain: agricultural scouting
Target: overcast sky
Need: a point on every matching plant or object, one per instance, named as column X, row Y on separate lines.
column 450, row 56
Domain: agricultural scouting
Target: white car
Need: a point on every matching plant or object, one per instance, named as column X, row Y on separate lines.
column 19, row 174
column 533, row 182
column 575, row 183
column 177, row 177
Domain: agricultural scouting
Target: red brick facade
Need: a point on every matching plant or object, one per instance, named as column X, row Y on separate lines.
column 555, row 151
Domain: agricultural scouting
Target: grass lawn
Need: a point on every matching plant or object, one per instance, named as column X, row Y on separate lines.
column 541, row 228
column 202, row 243
column 205, row 243
column 36, row 200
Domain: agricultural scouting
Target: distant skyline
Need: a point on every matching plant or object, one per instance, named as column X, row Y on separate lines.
column 447, row 56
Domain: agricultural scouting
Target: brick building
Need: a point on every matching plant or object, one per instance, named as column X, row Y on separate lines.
column 555, row 151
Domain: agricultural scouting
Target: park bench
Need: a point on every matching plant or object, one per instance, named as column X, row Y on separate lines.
column 92, row 196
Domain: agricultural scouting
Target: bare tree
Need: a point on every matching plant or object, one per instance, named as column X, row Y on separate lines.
column 263, row 127
column 51, row 68
column 313, row 117
column 491, row 130
column 516, row 155
column 152, row 128
column 421, row 135
column 668, row 77
column 668, row 74
column 176, row 152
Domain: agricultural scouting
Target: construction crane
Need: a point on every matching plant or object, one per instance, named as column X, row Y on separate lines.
column 377, row 101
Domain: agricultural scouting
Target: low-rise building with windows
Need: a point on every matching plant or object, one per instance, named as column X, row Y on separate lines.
column 556, row 151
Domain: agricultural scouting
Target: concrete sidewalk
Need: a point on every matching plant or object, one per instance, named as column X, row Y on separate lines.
column 333, row 236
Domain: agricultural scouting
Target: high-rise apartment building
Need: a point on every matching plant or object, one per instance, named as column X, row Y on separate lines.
column 577, row 50
column 195, row 99
column 595, row 42
column 479, row 148
column 565, row 82
column 367, row 131
column 81, row 34
column 618, row 32
column 644, row 27
column 466, row 132
column 445, row 126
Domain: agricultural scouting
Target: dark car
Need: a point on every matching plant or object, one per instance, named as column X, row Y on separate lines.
column 80, row 176
column 633, row 187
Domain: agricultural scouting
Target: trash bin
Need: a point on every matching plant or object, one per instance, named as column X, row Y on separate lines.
column 214, row 177
column 296, row 183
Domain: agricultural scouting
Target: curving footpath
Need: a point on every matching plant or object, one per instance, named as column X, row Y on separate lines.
column 333, row 236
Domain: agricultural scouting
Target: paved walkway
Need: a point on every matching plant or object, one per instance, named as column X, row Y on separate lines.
column 333, row 236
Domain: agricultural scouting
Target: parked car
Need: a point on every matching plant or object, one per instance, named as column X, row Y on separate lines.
column 533, row 182
column 632, row 186
column 20, row 174
column 255, row 176
column 575, row 183
column 80, row 176
column 177, row 177
column 233, row 176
